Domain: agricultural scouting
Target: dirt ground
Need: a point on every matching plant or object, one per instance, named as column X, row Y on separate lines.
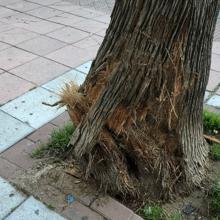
column 51, row 182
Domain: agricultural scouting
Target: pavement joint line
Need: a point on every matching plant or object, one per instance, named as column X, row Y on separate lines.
column 44, row 19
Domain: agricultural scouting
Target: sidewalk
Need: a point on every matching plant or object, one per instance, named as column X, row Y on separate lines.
column 43, row 45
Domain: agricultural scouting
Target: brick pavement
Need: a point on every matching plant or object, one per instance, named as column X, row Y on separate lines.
column 43, row 45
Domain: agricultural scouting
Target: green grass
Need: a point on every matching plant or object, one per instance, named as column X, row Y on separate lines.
column 155, row 212
column 215, row 152
column 211, row 121
column 57, row 143
column 215, row 200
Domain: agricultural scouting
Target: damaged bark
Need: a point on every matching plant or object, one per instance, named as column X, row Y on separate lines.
column 139, row 112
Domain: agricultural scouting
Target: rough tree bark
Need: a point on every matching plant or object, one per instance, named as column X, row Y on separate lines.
column 139, row 112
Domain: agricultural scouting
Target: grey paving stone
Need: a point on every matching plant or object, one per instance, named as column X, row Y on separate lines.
column 90, row 26
column 215, row 65
column 85, row 67
column 4, row 12
column 22, row 6
column 29, row 109
column 45, row 2
column 214, row 101
column 42, row 45
column 34, row 210
column 11, row 131
column 66, row 19
column 16, row 36
column 59, row 83
column 68, row 35
column 44, row 12
column 12, row 57
column 6, row 2
column 10, row 198
column 216, row 47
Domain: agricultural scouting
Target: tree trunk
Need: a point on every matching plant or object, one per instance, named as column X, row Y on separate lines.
column 139, row 112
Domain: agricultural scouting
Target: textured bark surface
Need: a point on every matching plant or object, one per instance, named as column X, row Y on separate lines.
column 139, row 112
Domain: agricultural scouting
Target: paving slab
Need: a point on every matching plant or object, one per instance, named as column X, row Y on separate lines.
column 68, row 35
column 20, row 154
column 45, row 2
column 4, row 46
column 8, row 170
column 29, row 109
column 16, row 36
column 90, row 26
column 40, row 71
column 13, row 57
column 215, row 64
column 42, row 45
column 111, row 209
column 63, row 6
column 77, row 211
column 31, row 23
column 10, row 198
column 6, row 2
column 4, row 12
column 45, row 12
column 85, row 67
column 4, row 26
column 214, row 80
column 84, row 12
column 12, row 87
column 22, row 6
column 34, row 210
column 59, row 83
column 214, row 101
column 216, row 47
column 66, row 19
column 71, row 56
column 11, row 130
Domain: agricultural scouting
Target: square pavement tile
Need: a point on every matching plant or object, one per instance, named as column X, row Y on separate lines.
column 216, row 47
column 214, row 80
column 31, row 23
column 66, row 19
column 45, row 2
column 41, row 45
column 111, row 208
column 59, row 83
column 71, row 56
column 5, row 27
column 10, row 198
column 63, row 6
column 34, row 210
column 90, row 26
column 30, row 110
column 214, row 101
column 16, row 36
column 11, row 130
column 12, row 87
column 215, row 64
column 85, row 12
column 12, row 57
column 68, row 35
column 40, row 70
column 23, row 6
column 44, row 12
column 4, row 12
column 78, row 211
column 6, row 2
column 4, row 46
column 20, row 154
column 85, row 67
